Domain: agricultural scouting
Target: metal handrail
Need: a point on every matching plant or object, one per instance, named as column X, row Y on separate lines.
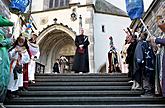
column 39, row 68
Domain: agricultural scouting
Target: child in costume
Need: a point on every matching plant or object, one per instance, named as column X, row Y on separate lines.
column 18, row 55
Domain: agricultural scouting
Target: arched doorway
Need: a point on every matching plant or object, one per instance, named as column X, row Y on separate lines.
column 54, row 41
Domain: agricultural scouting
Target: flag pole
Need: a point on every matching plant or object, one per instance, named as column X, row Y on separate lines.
column 145, row 28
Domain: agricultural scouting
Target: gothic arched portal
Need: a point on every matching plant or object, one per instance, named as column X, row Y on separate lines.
column 54, row 41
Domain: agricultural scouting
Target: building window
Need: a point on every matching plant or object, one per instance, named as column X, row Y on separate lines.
column 66, row 2
column 103, row 28
column 61, row 2
column 55, row 3
column 51, row 3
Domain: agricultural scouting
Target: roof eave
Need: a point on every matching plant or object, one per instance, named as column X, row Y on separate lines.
column 101, row 12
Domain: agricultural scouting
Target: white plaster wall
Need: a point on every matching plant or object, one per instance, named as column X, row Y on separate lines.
column 63, row 16
column 114, row 26
column 37, row 5
column 84, row 2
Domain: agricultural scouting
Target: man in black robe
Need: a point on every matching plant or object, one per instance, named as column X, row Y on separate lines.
column 81, row 61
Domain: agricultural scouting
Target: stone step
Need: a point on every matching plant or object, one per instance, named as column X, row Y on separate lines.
column 83, row 79
column 90, row 106
column 83, row 91
column 84, row 75
column 78, row 88
column 79, row 83
column 63, row 76
column 79, row 93
column 84, row 100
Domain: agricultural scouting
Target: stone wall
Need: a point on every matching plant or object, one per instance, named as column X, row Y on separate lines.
column 151, row 19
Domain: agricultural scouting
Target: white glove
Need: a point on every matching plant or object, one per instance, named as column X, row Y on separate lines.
column 81, row 46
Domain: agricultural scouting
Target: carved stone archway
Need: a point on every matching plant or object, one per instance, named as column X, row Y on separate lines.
column 55, row 40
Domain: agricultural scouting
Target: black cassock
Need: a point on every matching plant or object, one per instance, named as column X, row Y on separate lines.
column 81, row 61
column 56, row 67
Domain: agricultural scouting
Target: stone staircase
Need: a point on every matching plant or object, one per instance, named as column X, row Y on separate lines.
column 83, row 91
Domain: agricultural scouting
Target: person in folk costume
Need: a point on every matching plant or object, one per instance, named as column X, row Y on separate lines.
column 160, row 57
column 25, row 69
column 35, row 53
column 131, row 39
column 81, row 60
column 19, row 56
column 161, row 41
column 5, row 43
column 25, row 66
column 123, row 57
column 112, row 56
column 63, row 63
column 145, row 65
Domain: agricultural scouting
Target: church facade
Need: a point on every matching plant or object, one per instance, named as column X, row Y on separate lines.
column 59, row 21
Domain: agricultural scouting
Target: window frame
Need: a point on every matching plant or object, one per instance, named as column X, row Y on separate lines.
column 57, row 3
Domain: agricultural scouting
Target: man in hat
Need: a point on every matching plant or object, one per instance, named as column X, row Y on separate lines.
column 112, row 57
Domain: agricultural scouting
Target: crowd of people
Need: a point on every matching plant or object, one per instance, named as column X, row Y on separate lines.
column 140, row 55
column 17, row 64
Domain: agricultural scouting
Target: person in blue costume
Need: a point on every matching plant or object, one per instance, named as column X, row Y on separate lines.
column 4, row 66
column 144, row 62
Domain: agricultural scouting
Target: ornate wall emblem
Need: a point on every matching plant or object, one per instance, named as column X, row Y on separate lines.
column 43, row 20
column 73, row 15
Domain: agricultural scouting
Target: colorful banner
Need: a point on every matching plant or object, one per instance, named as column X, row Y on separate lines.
column 135, row 8
column 18, row 5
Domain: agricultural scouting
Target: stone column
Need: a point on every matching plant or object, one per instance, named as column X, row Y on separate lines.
column 89, row 30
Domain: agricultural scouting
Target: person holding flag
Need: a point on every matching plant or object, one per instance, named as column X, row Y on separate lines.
column 135, row 10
